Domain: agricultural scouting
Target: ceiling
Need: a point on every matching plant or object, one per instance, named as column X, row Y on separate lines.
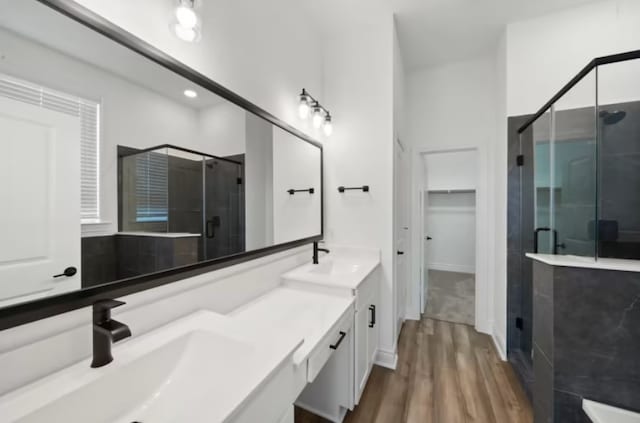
column 433, row 32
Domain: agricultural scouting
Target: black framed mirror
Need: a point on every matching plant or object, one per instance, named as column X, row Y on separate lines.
column 124, row 169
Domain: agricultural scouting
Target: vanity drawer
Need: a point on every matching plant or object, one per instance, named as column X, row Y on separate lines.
column 367, row 289
column 321, row 354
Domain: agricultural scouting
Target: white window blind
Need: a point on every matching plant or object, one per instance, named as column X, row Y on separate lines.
column 152, row 202
column 89, row 113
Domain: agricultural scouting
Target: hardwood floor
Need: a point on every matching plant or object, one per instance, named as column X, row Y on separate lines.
column 446, row 373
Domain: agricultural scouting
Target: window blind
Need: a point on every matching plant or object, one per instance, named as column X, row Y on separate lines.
column 152, row 202
column 89, row 113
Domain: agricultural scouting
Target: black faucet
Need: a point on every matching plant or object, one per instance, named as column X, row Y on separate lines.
column 316, row 250
column 106, row 332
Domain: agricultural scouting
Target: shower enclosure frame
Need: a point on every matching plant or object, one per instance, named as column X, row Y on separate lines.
column 205, row 222
column 523, row 242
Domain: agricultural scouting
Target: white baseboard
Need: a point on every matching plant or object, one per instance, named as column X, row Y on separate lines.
column 460, row 268
column 498, row 341
column 386, row 359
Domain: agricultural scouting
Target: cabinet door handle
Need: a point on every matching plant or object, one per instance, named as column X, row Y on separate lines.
column 337, row 344
column 372, row 322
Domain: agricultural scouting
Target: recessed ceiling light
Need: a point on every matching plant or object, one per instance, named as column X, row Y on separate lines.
column 190, row 93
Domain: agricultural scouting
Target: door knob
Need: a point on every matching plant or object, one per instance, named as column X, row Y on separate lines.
column 68, row 272
column 400, row 253
column 429, row 238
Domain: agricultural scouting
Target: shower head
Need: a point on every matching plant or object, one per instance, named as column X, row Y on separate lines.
column 611, row 118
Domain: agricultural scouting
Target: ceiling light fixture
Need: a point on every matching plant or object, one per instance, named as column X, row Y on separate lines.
column 320, row 116
column 186, row 22
column 328, row 126
column 303, row 108
column 190, row 93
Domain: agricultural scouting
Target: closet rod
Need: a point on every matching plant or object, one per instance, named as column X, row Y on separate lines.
column 451, row 191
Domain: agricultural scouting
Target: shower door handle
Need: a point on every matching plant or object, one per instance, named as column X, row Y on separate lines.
column 536, row 233
column 211, row 226
column 211, row 231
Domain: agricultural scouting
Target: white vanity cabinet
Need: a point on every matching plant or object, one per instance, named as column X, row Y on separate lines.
column 340, row 383
column 366, row 331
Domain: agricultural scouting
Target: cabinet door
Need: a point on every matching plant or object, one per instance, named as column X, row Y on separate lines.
column 372, row 334
column 361, row 351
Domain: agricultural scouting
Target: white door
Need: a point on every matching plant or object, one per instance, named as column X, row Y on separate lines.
column 402, row 210
column 39, row 201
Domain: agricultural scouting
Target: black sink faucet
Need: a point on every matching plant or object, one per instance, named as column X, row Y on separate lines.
column 316, row 250
column 106, row 332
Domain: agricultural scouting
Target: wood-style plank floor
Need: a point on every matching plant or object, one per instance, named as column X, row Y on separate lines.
column 446, row 373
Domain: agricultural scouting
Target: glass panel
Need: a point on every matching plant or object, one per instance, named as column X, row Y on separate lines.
column 224, row 226
column 542, row 176
column 572, row 188
column 145, row 198
column 619, row 160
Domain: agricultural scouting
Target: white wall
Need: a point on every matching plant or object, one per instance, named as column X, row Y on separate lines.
column 358, row 73
column 249, row 49
column 454, row 170
column 258, row 175
column 450, row 220
column 296, row 165
column 543, row 54
column 263, row 51
column 452, row 107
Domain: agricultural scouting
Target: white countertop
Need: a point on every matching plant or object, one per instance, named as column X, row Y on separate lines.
column 300, row 313
column 237, row 376
column 587, row 262
column 601, row 413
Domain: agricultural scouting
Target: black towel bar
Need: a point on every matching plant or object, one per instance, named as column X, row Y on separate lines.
column 364, row 188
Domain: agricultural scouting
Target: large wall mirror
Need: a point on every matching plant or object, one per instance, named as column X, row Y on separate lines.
column 116, row 165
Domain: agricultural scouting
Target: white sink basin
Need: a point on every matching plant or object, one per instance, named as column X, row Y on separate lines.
column 204, row 367
column 344, row 272
column 335, row 267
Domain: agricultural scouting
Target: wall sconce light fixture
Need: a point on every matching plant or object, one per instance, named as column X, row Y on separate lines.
column 186, row 23
column 320, row 115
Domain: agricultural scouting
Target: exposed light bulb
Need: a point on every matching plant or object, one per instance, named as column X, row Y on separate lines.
column 185, row 34
column 317, row 117
column 186, row 23
column 328, row 126
column 303, row 108
column 190, row 93
column 186, row 16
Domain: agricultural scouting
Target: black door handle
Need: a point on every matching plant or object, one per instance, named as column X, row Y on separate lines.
column 337, row 344
column 400, row 253
column 429, row 238
column 68, row 272
column 372, row 309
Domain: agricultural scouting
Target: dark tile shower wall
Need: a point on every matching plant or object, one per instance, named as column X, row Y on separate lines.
column 110, row 258
column 99, row 262
column 619, row 152
column 139, row 255
column 586, row 340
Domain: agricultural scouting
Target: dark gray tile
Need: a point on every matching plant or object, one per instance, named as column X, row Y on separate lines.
column 568, row 408
column 542, row 391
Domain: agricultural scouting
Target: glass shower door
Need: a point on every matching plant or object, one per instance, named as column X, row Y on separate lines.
column 223, row 217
